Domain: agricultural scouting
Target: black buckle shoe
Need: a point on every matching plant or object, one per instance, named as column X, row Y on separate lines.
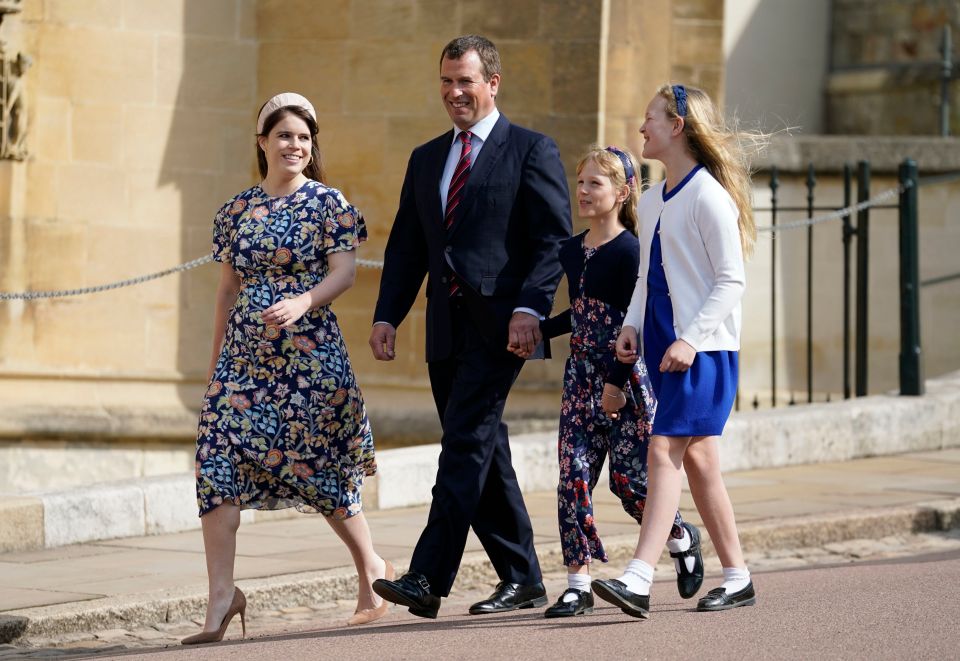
column 689, row 582
column 511, row 596
column 582, row 605
column 616, row 592
column 411, row 590
column 718, row 599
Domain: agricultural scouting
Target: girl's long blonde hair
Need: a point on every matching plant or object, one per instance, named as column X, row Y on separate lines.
column 722, row 151
column 611, row 166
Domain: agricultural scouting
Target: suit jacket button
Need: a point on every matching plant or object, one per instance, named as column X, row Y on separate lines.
column 443, row 279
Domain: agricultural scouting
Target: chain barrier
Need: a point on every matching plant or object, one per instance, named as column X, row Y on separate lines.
column 63, row 293
column 839, row 213
column 378, row 264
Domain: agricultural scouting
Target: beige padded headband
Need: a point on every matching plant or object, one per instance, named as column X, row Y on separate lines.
column 281, row 101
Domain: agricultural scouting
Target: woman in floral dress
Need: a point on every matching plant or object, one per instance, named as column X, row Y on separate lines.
column 283, row 421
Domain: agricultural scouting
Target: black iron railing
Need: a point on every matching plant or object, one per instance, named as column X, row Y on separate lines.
column 855, row 228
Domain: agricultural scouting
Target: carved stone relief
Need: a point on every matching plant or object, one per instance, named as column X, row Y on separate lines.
column 13, row 109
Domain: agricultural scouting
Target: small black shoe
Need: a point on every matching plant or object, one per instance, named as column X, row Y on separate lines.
column 718, row 599
column 689, row 582
column 614, row 591
column 582, row 605
column 510, row 597
column 411, row 590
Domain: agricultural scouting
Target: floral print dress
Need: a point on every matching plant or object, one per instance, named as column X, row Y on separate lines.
column 588, row 436
column 283, row 422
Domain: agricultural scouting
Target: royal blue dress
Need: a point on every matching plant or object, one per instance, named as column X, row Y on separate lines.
column 696, row 402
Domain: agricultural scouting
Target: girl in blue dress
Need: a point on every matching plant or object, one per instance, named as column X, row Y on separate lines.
column 695, row 227
column 283, row 422
column 607, row 406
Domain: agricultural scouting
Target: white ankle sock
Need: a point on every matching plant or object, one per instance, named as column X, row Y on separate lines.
column 735, row 579
column 638, row 577
column 675, row 545
column 578, row 581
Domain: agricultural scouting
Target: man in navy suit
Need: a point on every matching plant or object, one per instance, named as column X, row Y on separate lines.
column 482, row 212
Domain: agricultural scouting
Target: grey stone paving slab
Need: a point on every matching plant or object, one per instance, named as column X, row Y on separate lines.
column 146, row 582
column 61, row 553
column 846, row 499
column 948, row 455
column 777, row 508
column 247, row 567
column 270, row 546
column 12, row 598
column 301, row 526
column 327, row 559
column 736, row 480
column 190, row 542
column 936, row 488
column 54, row 578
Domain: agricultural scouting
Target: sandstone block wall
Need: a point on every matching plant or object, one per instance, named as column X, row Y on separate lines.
column 139, row 115
column 885, row 73
column 141, row 120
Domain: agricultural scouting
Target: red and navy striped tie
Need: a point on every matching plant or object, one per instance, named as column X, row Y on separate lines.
column 455, row 192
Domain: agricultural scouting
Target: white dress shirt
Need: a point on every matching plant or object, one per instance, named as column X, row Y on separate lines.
column 479, row 133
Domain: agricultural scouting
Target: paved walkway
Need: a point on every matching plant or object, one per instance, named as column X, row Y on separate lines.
column 766, row 501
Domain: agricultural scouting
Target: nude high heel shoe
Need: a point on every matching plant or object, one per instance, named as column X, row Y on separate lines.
column 368, row 615
column 238, row 605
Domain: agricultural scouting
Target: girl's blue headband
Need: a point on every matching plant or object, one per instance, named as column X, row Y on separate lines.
column 625, row 160
column 680, row 95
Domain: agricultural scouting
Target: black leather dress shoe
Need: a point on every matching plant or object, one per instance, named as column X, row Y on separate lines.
column 582, row 605
column 614, row 591
column 689, row 582
column 510, row 597
column 411, row 590
column 718, row 599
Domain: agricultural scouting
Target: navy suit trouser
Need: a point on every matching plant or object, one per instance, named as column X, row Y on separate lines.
column 476, row 485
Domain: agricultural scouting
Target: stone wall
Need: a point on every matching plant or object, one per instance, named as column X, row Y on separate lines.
column 776, row 59
column 580, row 72
column 885, row 71
column 644, row 51
column 141, row 116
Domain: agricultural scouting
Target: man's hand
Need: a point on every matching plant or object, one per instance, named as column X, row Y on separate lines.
column 627, row 345
column 523, row 334
column 383, row 339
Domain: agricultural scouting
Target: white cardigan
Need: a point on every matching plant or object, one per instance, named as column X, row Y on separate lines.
column 702, row 259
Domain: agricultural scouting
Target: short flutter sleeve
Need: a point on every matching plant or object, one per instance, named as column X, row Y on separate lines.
column 343, row 224
column 222, row 233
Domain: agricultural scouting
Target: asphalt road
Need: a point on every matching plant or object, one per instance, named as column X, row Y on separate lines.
column 905, row 608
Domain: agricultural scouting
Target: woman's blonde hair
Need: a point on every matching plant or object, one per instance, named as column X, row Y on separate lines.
column 611, row 164
column 721, row 149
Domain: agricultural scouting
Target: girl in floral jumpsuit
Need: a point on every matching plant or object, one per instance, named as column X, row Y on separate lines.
column 607, row 406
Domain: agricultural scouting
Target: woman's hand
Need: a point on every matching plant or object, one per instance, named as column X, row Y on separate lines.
column 678, row 357
column 627, row 345
column 287, row 312
column 612, row 400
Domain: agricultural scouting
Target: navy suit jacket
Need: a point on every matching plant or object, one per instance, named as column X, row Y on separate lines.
column 503, row 244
